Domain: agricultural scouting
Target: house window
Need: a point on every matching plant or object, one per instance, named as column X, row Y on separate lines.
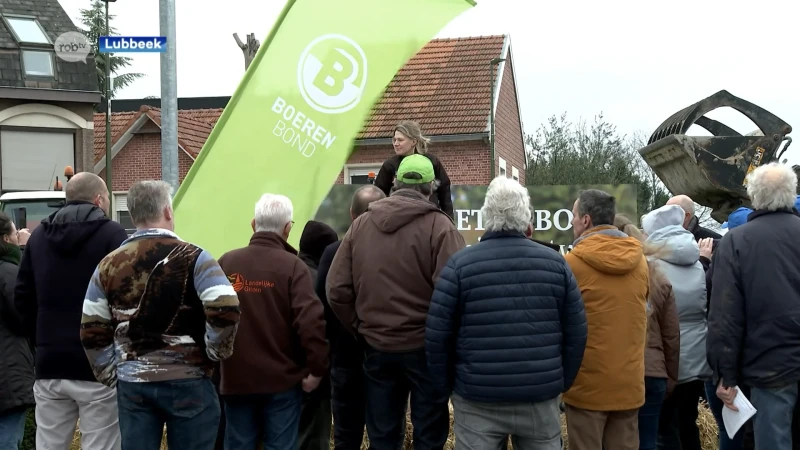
column 37, row 63
column 121, row 213
column 27, row 30
column 359, row 174
column 515, row 173
column 503, row 167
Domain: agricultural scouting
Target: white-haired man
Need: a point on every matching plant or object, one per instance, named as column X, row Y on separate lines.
column 281, row 349
column 754, row 320
column 158, row 312
column 507, row 319
column 380, row 286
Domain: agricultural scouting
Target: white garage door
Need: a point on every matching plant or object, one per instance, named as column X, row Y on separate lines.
column 31, row 160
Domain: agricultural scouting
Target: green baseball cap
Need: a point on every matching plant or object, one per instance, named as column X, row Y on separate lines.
column 415, row 169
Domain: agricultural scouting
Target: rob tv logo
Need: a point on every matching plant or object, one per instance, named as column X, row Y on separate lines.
column 133, row 44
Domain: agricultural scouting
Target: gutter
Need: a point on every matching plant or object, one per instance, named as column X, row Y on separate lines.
column 50, row 95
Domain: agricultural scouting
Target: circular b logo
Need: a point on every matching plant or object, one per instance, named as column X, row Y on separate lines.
column 332, row 73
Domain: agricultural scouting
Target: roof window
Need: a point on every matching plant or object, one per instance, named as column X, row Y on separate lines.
column 27, row 30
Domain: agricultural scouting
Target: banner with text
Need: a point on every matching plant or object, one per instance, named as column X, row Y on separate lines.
column 552, row 206
column 290, row 126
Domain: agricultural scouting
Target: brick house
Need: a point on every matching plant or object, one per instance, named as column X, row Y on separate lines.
column 446, row 87
column 46, row 104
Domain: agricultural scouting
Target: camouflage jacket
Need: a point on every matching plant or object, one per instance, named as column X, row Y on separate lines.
column 158, row 309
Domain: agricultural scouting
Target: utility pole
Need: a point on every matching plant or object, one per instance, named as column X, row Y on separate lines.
column 107, row 89
column 169, row 96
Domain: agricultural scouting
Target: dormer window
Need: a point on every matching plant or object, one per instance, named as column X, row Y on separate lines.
column 34, row 45
column 27, row 30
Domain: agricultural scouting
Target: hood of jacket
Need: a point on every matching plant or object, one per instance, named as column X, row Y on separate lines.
column 664, row 228
column 676, row 245
column 71, row 226
column 608, row 250
column 401, row 208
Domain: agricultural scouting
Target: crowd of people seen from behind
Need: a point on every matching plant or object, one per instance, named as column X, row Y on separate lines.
column 279, row 348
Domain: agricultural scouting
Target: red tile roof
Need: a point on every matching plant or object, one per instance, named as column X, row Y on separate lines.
column 194, row 127
column 445, row 87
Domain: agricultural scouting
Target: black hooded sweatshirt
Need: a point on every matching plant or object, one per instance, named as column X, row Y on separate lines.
column 59, row 260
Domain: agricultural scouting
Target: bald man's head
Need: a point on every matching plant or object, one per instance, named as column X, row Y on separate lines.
column 88, row 187
column 363, row 197
column 687, row 204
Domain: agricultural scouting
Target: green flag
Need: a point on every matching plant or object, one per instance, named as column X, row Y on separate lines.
column 291, row 124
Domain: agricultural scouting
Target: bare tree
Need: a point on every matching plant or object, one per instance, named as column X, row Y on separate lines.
column 249, row 49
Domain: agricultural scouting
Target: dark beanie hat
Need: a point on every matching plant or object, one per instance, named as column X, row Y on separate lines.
column 316, row 236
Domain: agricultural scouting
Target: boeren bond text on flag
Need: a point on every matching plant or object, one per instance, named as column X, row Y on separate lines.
column 291, row 124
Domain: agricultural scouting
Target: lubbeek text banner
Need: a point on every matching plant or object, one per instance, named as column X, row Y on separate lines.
column 292, row 122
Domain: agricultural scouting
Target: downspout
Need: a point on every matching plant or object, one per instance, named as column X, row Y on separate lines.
column 494, row 62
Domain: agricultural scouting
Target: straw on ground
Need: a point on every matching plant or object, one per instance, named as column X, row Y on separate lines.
column 708, row 433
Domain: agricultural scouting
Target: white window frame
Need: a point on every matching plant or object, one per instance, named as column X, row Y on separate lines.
column 503, row 170
column 515, row 173
column 360, row 169
column 50, row 68
column 116, row 207
column 10, row 18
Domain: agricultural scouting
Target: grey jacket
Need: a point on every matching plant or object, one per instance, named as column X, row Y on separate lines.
column 678, row 257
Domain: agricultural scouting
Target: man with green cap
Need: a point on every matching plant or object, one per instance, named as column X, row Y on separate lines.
column 380, row 286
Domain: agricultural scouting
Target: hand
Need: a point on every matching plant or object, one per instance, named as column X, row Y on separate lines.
column 311, row 382
column 706, row 247
column 727, row 395
column 23, row 235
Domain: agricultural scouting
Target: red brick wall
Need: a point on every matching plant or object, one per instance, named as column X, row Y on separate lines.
column 466, row 162
column 508, row 129
column 140, row 159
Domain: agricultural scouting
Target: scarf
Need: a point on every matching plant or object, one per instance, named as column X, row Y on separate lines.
column 10, row 253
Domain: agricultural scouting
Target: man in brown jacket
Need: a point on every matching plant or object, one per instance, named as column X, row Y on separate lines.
column 380, row 286
column 280, row 349
column 610, row 267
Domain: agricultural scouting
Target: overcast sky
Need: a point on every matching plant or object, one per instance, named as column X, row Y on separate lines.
column 637, row 62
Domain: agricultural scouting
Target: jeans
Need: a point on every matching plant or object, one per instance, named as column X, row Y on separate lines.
column 389, row 379
column 273, row 418
column 677, row 425
column 12, row 428
column 348, row 404
column 189, row 408
column 716, row 405
column 773, row 421
column 655, row 389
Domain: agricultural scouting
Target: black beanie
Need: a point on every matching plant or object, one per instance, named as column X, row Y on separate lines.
column 316, row 237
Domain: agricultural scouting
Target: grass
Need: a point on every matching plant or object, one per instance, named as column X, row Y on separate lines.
column 705, row 421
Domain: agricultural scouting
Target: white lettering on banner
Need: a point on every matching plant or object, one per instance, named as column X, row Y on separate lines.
column 543, row 219
column 558, row 221
column 462, row 219
column 291, row 137
column 303, row 129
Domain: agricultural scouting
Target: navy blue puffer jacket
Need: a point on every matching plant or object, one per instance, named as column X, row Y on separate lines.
column 506, row 322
